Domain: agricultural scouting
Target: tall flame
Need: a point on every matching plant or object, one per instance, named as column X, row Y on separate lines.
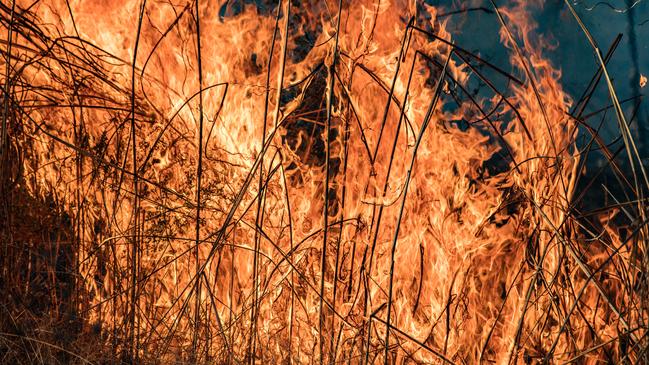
column 270, row 108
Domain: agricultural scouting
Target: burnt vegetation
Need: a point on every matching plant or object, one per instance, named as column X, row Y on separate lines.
column 314, row 182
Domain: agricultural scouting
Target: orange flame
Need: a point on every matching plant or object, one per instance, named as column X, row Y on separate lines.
column 483, row 239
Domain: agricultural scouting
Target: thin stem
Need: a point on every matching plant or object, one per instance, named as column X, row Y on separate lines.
column 199, row 174
column 427, row 118
column 325, row 209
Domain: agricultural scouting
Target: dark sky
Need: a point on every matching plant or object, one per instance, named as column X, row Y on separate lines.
column 573, row 54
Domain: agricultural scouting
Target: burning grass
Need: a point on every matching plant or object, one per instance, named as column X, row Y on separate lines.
column 309, row 182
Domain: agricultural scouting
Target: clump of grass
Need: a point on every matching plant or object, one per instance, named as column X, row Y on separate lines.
column 129, row 235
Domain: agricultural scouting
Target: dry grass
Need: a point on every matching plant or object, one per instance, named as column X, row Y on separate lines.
column 140, row 229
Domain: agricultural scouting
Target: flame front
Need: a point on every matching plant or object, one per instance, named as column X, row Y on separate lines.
column 201, row 147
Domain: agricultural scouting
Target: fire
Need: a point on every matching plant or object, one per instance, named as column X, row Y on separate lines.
column 200, row 147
